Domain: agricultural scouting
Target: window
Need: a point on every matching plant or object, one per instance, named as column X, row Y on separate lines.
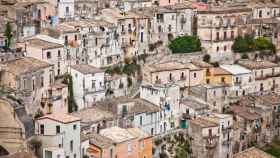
column 225, row 48
column 33, row 84
column 218, row 49
column 93, row 84
column 194, row 75
column 49, row 55
column 67, row 10
column 74, row 127
column 58, row 53
column 232, row 34
column 225, row 35
column 42, row 81
column 57, row 129
column 169, row 28
column 42, row 129
column 129, row 147
column 260, row 14
column 75, row 156
column 111, row 153
column 76, row 37
column 71, row 145
column 141, row 120
column 142, row 37
column 214, row 93
column 217, row 36
column 223, row 79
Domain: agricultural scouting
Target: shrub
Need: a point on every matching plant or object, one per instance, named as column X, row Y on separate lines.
column 206, row 58
column 185, row 44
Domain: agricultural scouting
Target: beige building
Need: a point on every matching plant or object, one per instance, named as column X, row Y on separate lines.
column 205, row 136
column 218, row 26
column 30, row 78
column 185, row 75
column 266, row 74
column 47, row 49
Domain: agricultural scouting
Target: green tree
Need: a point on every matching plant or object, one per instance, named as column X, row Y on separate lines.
column 8, row 34
column 243, row 44
column 72, row 106
column 263, row 44
column 185, row 44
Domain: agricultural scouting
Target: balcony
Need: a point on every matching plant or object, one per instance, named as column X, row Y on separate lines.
column 158, row 81
column 211, row 143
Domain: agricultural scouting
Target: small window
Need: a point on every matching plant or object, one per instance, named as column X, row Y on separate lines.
column 194, row 75
column 57, row 129
column 42, row 129
column 74, row 127
column 49, row 55
column 71, row 145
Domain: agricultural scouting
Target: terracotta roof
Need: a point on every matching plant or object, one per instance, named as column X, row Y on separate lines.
column 219, row 71
column 39, row 43
column 249, row 64
column 93, row 114
column 203, row 123
column 101, row 141
column 168, row 66
column 245, row 112
column 269, row 99
column 139, row 105
column 26, row 65
column 86, row 69
column 201, row 64
column 21, row 154
column 60, row 117
column 253, row 153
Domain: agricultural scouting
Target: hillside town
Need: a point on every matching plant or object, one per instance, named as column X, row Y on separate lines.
column 139, row 78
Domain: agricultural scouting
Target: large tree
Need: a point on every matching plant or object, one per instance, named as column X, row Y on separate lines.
column 243, row 44
column 264, row 44
column 185, row 44
column 8, row 34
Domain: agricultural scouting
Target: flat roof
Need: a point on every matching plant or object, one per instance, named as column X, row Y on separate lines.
column 235, row 69
column 117, row 134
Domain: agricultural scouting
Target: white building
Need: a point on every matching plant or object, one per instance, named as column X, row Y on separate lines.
column 242, row 80
column 88, row 84
column 137, row 113
column 167, row 97
column 48, row 49
column 60, row 135
column 65, row 9
column 225, row 143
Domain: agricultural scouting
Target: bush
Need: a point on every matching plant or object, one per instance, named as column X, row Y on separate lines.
column 206, row 58
column 248, row 44
column 185, row 44
column 264, row 44
column 243, row 44
column 244, row 56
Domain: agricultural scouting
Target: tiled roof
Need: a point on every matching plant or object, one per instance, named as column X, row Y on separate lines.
column 203, row 123
column 25, row 65
column 86, row 69
column 252, row 153
column 21, row 154
column 249, row 64
column 117, row 134
column 245, row 113
column 60, row 117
